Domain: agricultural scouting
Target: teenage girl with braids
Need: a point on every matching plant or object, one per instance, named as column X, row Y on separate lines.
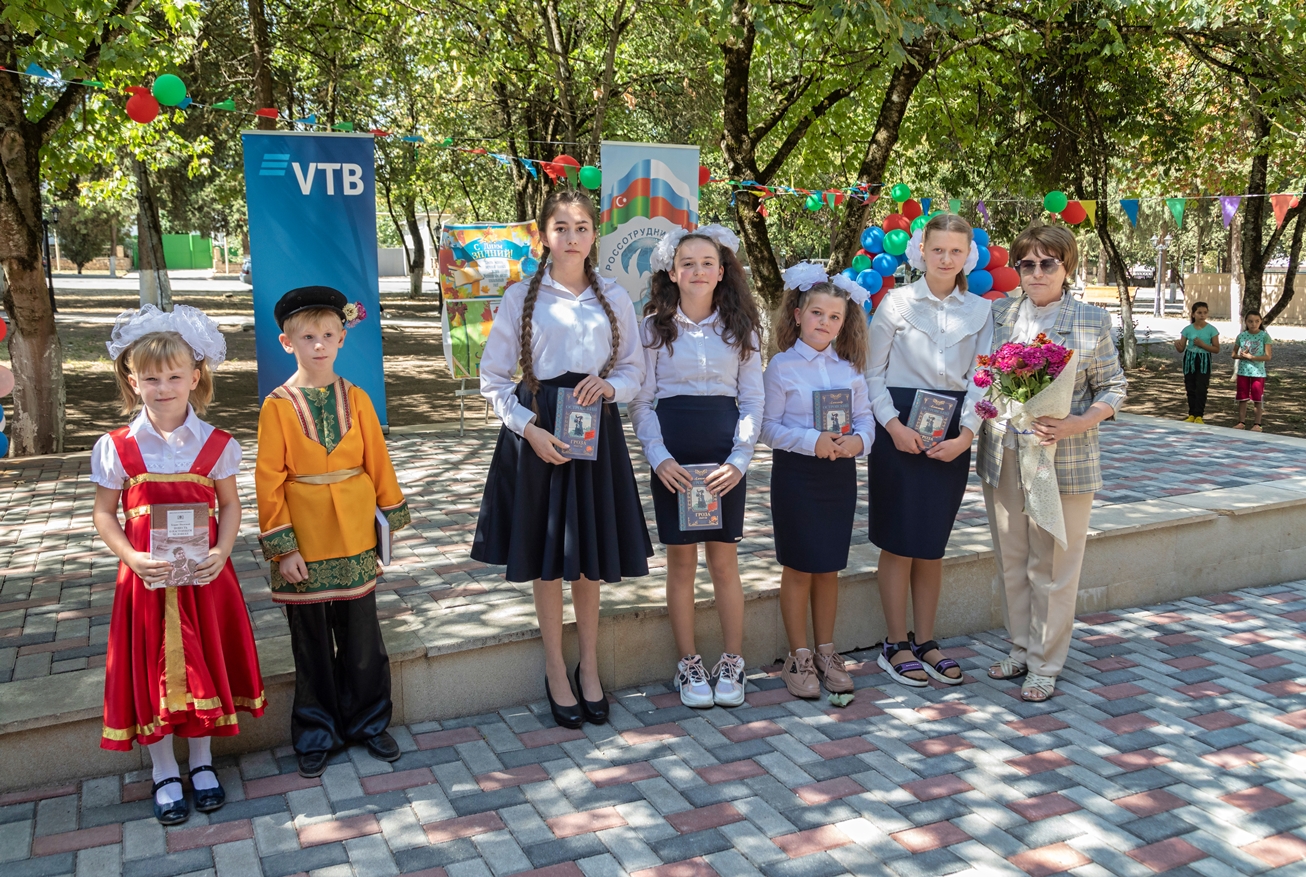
column 545, row 517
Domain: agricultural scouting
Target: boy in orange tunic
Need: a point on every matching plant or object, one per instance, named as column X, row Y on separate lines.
column 322, row 475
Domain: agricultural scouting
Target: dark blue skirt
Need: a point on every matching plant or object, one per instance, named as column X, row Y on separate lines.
column 698, row 429
column 914, row 500
column 582, row 518
column 812, row 505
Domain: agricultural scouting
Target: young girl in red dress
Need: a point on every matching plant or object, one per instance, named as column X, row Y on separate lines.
column 181, row 660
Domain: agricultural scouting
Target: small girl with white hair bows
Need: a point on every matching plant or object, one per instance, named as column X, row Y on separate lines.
column 181, row 660
column 701, row 403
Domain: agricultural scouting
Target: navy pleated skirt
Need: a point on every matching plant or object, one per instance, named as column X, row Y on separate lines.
column 812, row 505
column 698, row 429
column 579, row 519
column 914, row 500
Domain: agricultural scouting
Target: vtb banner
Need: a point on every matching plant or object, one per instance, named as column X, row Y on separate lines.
column 648, row 190
column 312, row 222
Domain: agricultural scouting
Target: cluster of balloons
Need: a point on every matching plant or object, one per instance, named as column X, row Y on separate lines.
column 143, row 105
column 564, row 166
column 991, row 277
column 1071, row 211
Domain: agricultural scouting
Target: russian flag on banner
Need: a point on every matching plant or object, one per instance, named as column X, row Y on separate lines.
column 649, row 189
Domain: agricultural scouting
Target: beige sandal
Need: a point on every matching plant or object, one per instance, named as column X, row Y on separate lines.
column 1006, row 669
column 1037, row 688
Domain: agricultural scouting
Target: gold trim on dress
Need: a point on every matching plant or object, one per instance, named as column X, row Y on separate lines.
column 174, row 655
column 140, row 510
column 156, row 478
column 334, row 477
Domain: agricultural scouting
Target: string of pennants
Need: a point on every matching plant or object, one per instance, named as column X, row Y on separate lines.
column 143, row 106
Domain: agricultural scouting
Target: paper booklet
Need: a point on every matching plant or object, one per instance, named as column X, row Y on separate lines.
column 578, row 426
column 700, row 508
column 930, row 415
column 832, row 411
column 384, row 539
column 179, row 535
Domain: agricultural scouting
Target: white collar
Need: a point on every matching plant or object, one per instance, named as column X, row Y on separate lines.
column 710, row 319
column 809, row 353
column 142, row 422
column 921, row 292
column 588, row 292
column 1044, row 310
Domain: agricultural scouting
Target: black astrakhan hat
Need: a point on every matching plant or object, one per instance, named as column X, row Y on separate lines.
column 306, row 297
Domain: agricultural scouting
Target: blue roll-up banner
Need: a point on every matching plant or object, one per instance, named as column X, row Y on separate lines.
column 312, row 222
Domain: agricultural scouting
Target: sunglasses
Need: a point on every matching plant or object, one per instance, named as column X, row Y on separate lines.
column 1047, row 266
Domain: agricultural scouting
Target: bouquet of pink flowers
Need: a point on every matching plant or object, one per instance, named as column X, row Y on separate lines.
column 1017, row 372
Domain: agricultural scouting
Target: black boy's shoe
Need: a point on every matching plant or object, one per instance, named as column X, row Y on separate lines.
column 596, row 712
column 171, row 814
column 311, row 764
column 207, row 800
column 383, row 747
column 565, row 716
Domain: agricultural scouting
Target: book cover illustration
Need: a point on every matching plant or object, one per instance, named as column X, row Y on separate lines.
column 700, row 508
column 930, row 415
column 179, row 535
column 578, row 426
column 833, row 411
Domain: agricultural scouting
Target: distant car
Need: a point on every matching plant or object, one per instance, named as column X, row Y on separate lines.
column 246, row 274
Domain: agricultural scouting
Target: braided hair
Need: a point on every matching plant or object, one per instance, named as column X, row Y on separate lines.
column 526, row 357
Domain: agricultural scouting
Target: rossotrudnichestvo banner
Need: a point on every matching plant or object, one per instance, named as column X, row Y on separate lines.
column 648, row 190
column 312, row 222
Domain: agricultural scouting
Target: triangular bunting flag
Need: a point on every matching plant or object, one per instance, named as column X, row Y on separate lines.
column 381, row 132
column 982, row 209
column 267, row 113
column 38, row 70
column 310, row 119
column 761, row 208
column 1281, row 204
column 530, row 166
column 89, row 83
column 1229, row 206
column 925, row 204
column 1130, row 206
column 413, row 138
column 229, row 105
column 954, row 205
column 1090, row 207
column 343, row 126
column 185, row 102
column 1176, row 206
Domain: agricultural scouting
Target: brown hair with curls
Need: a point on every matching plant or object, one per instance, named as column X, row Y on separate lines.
column 560, row 198
column 157, row 352
column 954, row 223
column 732, row 300
column 850, row 343
column 1057, row 242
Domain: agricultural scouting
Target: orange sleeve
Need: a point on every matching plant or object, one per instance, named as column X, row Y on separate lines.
column 376, row 462
column 276, row 534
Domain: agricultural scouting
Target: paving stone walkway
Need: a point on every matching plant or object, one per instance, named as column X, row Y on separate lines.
column 57, row 580
column 1176, row 744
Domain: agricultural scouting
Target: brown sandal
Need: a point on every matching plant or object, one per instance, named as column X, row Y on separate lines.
column 1257, row 428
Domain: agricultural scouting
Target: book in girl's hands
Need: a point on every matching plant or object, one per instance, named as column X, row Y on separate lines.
column 179, row 536
column 700, row 508
column 930, row 415
column 578, row 426
column 833, row 411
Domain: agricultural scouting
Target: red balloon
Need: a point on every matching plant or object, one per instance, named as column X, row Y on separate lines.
column 567, row 160
column 896, row 221
column 876, row 298
column 997, row 257
column 1074, row 213
column 887, row 284
column 1005, row 278
column 994, row 295
column 704, row 174
column 911, row 208
column 142, row 107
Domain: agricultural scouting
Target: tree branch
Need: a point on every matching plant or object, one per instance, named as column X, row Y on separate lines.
column 62, row 108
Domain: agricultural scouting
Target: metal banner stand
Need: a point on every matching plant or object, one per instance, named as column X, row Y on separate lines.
column 462, row 393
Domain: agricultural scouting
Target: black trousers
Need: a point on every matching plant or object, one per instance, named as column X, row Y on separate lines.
column 342, row 674
column 1197, row 384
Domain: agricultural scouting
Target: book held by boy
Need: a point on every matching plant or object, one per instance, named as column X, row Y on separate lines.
column 930, row 415
column 832, row 411
column 578, row 426
column 700, row 508
column 179, row 536
column 384, row 539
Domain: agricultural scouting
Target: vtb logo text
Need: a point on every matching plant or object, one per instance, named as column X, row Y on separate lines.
column 351, row 175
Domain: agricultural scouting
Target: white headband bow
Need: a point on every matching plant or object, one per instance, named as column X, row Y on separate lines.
column 664, row 256
column 916, row 258
column 192, row 324
column 855, row 290
column 804, row 276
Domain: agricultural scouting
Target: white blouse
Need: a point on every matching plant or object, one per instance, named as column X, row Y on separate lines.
column 169, row 456
column 788, row 423
column 1032, row 320
column 569, row 333
column 919, row 340
column 700, row 363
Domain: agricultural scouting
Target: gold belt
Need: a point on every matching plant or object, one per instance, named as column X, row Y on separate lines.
column 326, row 477
column 137, row 511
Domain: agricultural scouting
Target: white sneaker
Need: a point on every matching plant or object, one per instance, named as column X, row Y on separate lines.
column 730, row 680
column 691, row 682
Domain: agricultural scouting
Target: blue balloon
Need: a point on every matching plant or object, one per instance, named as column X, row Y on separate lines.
column 979, row 282
column 850, row 273
column 4, row 445
column 982, row 263
column 529, row 266
column 885, row 264
column 981, row 238
column 873, row 239
column 870, row 280
column 902, row 258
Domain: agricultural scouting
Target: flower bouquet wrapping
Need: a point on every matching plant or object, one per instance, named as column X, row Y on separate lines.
column 1026, row 382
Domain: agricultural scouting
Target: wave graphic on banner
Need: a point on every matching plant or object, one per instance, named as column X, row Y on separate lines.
column 649, row 189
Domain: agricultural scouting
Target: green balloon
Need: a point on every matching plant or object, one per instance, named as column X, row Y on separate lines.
column 861, row 263
column 591, row 177
column 919, row 223
column 900, row 192
column 1055, row 202
column 895, row 242
column 813, row 202
column 169, row 90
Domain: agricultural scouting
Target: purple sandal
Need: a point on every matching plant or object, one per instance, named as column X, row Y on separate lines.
column 885, row 660
column 937, row 671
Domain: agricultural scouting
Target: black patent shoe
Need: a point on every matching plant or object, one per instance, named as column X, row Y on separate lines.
column 383, row 747
column 596, row 712
column 311, row 764
column 565, row 716
column 207, row 800
column 171, row 814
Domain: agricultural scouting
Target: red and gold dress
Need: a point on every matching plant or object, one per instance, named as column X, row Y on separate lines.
column 181, row 660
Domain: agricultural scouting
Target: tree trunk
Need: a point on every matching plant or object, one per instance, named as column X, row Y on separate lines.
column 1128, row 340
column 1289, row 278
column 417, row 256
column 757, row 241
column 1236, row 284
column 1253, row 208
column 262, row 44
column 155, row 288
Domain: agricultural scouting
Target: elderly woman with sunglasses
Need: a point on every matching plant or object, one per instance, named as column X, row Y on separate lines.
column 1040, row 578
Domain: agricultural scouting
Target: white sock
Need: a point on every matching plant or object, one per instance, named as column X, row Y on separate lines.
column 165, row 766
column 200, row 755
